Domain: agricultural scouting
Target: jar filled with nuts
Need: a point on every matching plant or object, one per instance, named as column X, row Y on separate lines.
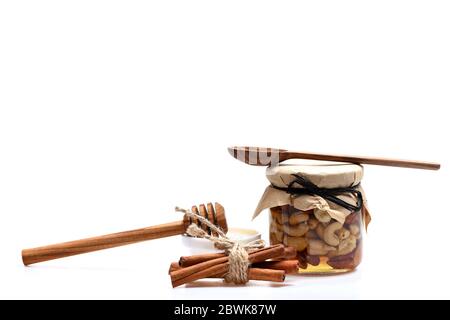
column 320, row 209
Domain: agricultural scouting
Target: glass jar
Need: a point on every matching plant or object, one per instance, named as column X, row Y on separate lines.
column 322, row 247
column 319, row 208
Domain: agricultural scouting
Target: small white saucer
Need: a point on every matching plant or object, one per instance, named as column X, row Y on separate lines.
column 199, row 245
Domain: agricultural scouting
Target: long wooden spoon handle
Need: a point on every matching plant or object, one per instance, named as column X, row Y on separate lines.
column 65, row 249
column 362, row 160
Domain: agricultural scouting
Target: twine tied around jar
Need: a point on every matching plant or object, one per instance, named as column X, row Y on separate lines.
column 329, row 194
column 237, row 253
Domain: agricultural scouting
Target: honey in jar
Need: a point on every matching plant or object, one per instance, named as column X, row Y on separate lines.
column 319, row 208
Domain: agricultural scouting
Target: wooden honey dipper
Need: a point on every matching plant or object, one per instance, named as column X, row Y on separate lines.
column 215, row 214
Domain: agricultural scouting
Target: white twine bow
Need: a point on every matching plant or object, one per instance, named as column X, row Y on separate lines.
column 237, row 252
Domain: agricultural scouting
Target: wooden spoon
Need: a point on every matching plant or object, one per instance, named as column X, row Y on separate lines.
column 258, row 156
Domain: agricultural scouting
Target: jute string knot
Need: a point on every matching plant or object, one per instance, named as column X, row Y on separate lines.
column 237, row 252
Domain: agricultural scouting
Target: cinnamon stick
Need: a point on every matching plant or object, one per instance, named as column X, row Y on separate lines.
column 174, row 266
column 266, row 253
column 185, row 272
column 262, row 275
column 219, row 266
column 288, row 266
column 218, row 272
column 258, row 273
column 266, row 274
column 186, row 261
column 289, row 253
column 259, row 254
column 214, row 270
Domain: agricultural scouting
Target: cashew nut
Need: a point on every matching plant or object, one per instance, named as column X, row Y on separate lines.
column 330, row 236
column 298, row 217
column 318, row 247
column 354, row 230
column 345, row 247
column 277, row 230
column 277, row 226
column 343, row 234
column 312, row 223
column 276, row 215
column 299, row 243
column 322, row 216
column 278, row 235
column 320, row 230
column 297, row 230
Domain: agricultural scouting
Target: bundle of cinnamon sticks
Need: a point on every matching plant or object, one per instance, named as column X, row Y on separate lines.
column 266, row 264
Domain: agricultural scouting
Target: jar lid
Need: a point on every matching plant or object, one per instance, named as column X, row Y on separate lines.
column 324, row 174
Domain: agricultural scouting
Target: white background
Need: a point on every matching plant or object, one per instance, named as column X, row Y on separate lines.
column 113, row 112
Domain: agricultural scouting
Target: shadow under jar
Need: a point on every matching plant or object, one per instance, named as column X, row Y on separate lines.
column 322, row 248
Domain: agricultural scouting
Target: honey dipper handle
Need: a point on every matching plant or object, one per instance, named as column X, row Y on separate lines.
column 66, row 249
